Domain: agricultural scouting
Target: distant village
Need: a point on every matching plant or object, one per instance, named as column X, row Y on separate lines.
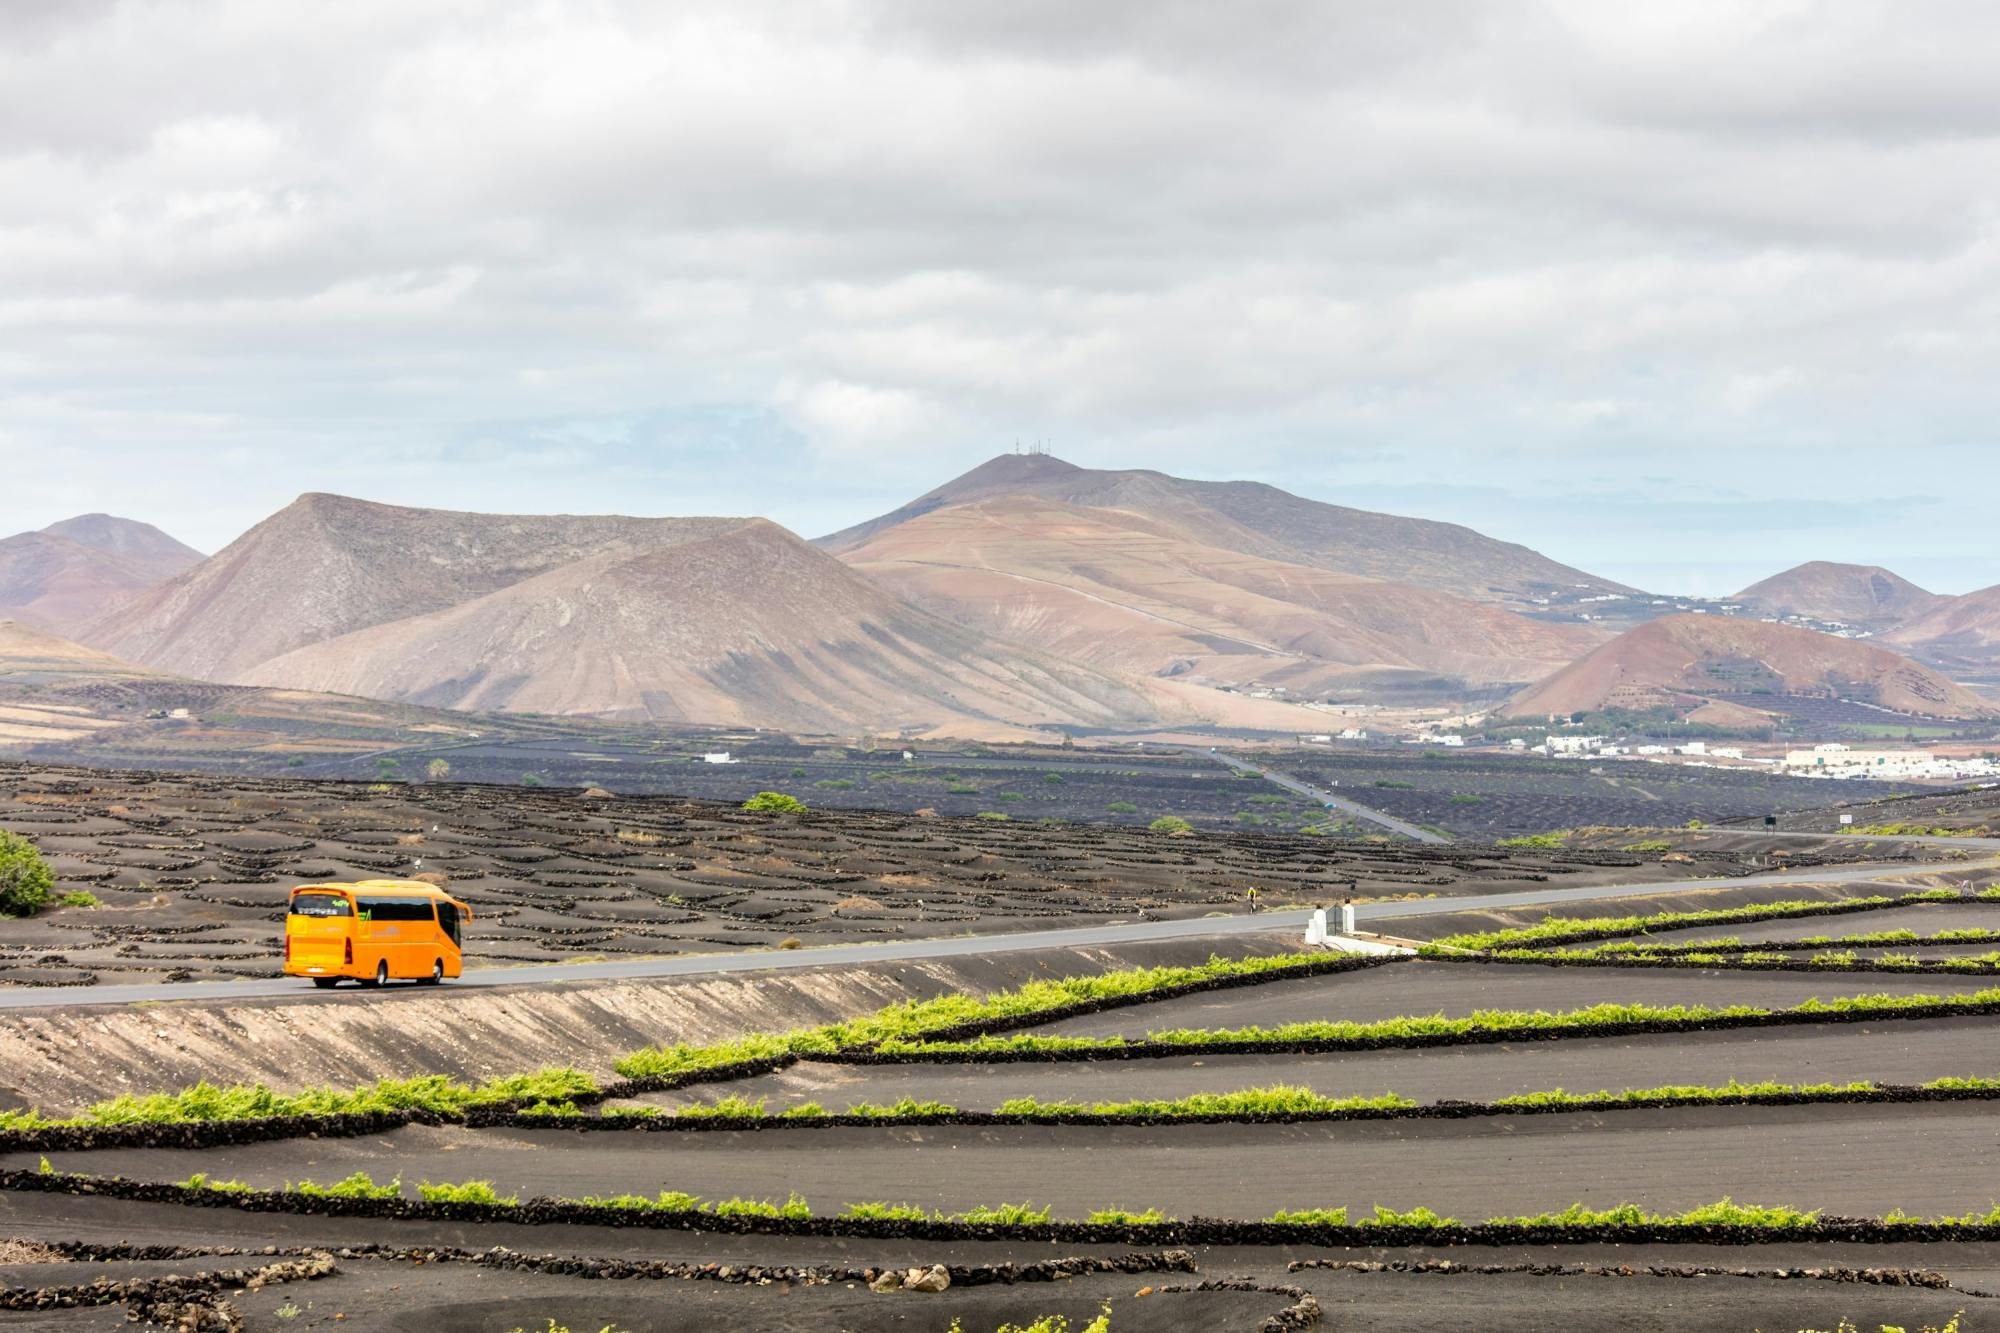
column 1832, row 760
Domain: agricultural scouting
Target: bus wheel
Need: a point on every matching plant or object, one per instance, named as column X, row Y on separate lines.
column 381, row 974
column 437, row 972
column 326, row 983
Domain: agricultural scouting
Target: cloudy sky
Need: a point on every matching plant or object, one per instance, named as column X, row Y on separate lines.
column 1678, row 293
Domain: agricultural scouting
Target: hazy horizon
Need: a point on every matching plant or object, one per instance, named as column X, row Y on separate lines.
column 1510, row 265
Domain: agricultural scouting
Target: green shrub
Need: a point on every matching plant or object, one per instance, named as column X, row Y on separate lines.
column 470, row 1191
column 357, row 1186
column 25, row 878
column 200, row 1181
column 885, row 1212
column 79, row 898
column 1170, row 824
column 1152, row 1217
column 1556, row 928
column 1276, row 1100
column 831, row 784
column 993, row 815
column 437, row 1093
column 775, row 802
column 1004, row 1215
column 728, row 1108
column 1055, row 1323
column 794, row 1207
column 901, row 1108
column 1122, row 808
column 1416, row 1217
column 1054, row 779
column 1312, row 1217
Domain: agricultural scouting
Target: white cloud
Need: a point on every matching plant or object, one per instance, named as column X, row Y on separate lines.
column 1270, row 237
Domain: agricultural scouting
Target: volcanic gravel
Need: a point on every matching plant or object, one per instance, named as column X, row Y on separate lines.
column 1913, row 1157
column 1459, row 988
column 1897, row 1052
column 194, row 871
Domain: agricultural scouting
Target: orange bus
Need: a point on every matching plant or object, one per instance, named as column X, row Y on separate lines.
column 372, row 931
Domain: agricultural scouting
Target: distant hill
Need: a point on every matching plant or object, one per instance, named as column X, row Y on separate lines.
column 1681, row 660
column 749, row 625
column 140, row 543
column 1129, row 591
column 724, row 620
column 1866, row 596
column 1260, row 520
column 69, row 574
column 327, row 565
column 1963, row 630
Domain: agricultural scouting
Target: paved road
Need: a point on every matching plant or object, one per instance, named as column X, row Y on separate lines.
column 1327, row 798
column 959, row 946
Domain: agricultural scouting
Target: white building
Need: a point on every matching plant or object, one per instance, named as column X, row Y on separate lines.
column 1572, row 745
column 717, row 757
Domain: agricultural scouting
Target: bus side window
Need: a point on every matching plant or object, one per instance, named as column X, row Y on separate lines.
column 448, row 920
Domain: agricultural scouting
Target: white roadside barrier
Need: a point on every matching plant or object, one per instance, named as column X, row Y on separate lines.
column 1345, row 940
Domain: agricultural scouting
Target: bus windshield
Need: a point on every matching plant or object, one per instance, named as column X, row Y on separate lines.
column 320, row 904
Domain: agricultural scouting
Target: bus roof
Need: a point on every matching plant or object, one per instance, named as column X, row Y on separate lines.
column 414, row 888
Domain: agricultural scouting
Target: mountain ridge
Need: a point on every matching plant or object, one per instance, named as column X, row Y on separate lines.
column 816, row 648
column 331, row 564
column 1121, row 589
column 1259, row 519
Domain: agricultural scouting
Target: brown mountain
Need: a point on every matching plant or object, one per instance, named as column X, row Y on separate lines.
column 142, row 544
column 1679, row 661
column 744, row 625
column 1866, row 596
column 1963, row 630
column 70, row 573
column 1260, row 520
column 327, row 565
column 1131, row 592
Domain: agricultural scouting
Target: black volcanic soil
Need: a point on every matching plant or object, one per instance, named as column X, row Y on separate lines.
column 1889, row 1156
column 539, row 862
column 374, row 1293
column 1458, row 989
column 194, row 871
column 1900, row 1052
